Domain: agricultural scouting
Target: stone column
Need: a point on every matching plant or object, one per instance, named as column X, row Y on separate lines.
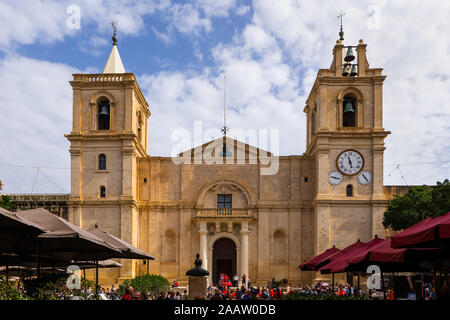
column 204, row 244
column 244, row 249
column 263, row 245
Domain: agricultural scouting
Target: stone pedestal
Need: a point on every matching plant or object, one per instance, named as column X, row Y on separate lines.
column 198, row 280
column 198, row 286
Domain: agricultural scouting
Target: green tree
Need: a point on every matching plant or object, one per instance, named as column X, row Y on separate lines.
column 441, row 198
column 417, row 204
column 5, row 202
column 9, row 291
column 151, row 284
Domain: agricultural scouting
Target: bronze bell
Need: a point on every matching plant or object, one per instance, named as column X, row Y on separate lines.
column 353, row 73
column 104, row 110
column 349, row 56
column 346, row 70
column 348, row 107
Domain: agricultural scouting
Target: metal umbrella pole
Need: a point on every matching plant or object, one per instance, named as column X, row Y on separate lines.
column 382, row 286
column 148, row 262
column 333, row 281
column 7, row 271
column 38, row 257
column 358, row 285
column 96, row 276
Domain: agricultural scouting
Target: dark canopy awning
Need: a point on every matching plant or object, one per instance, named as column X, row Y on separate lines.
column 338, row 254
column 16, row 231
column 128, row 251
column 390, row 259
column 65, row 240
column 339, row 264
column 431, row 232
column 310, row 264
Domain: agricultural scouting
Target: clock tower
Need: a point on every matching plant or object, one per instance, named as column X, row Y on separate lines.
column 345, row 135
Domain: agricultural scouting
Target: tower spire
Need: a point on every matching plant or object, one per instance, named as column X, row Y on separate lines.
column 341, row 32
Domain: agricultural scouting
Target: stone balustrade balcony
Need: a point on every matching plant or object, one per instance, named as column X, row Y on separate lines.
column 104, row 77
column 223, row 212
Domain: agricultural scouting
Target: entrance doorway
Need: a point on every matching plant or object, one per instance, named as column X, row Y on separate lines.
column 224, row 259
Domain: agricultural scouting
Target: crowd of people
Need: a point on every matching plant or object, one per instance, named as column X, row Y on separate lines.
column 234, row 290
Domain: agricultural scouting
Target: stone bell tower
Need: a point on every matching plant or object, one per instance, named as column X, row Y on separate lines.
column 345, row 135
column 109, row 133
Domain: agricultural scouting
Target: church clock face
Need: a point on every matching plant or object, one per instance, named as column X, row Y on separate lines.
column 334, row 177
column 365, row 177
column 350, row 162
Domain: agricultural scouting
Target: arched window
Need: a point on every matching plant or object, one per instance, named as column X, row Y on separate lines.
column 169, row 246
column 102, row 162
column 103, row 113
column 349, row 190
column 349, row 111
column 102, row 192
column 279, row 247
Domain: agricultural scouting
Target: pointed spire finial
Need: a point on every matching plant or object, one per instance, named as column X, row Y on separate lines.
column 114, row 25
column 341, row 32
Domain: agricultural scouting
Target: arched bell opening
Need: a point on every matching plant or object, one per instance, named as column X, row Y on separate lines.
column 349, row 111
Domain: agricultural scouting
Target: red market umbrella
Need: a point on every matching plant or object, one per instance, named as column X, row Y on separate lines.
column 339, row 264
column 431, row 232
column 324, row 261
column 311, row 263
column 390, row 259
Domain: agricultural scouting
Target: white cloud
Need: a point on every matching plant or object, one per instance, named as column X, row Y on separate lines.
column 261, row 93
column 415, row 56
column 241, row 10
column 166, row 38
column 27, row 22
column 270, row 64
column 45, row 21
column 214, row 8
column 36, row 112
column 186, row 19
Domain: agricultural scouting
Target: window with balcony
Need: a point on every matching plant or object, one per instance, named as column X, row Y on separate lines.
column 224, row 201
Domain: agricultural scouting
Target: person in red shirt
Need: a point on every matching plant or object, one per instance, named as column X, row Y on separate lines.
column 128, row 293
column 391, row 294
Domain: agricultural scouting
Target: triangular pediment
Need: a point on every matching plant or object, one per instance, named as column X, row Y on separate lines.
column 235, row 151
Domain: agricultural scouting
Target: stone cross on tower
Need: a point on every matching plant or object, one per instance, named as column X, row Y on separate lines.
column 341, row 32
column 114, row 25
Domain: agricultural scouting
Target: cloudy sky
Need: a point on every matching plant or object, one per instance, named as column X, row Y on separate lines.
column 180, row 50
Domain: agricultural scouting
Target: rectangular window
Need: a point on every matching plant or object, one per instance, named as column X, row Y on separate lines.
column 224, row 201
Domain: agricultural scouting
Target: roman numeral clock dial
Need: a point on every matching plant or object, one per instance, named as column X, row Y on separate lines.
column 365, row 177
column 334, row 177
column 350, row 162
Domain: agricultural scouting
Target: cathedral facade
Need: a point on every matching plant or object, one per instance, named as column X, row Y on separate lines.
column 239, row 219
